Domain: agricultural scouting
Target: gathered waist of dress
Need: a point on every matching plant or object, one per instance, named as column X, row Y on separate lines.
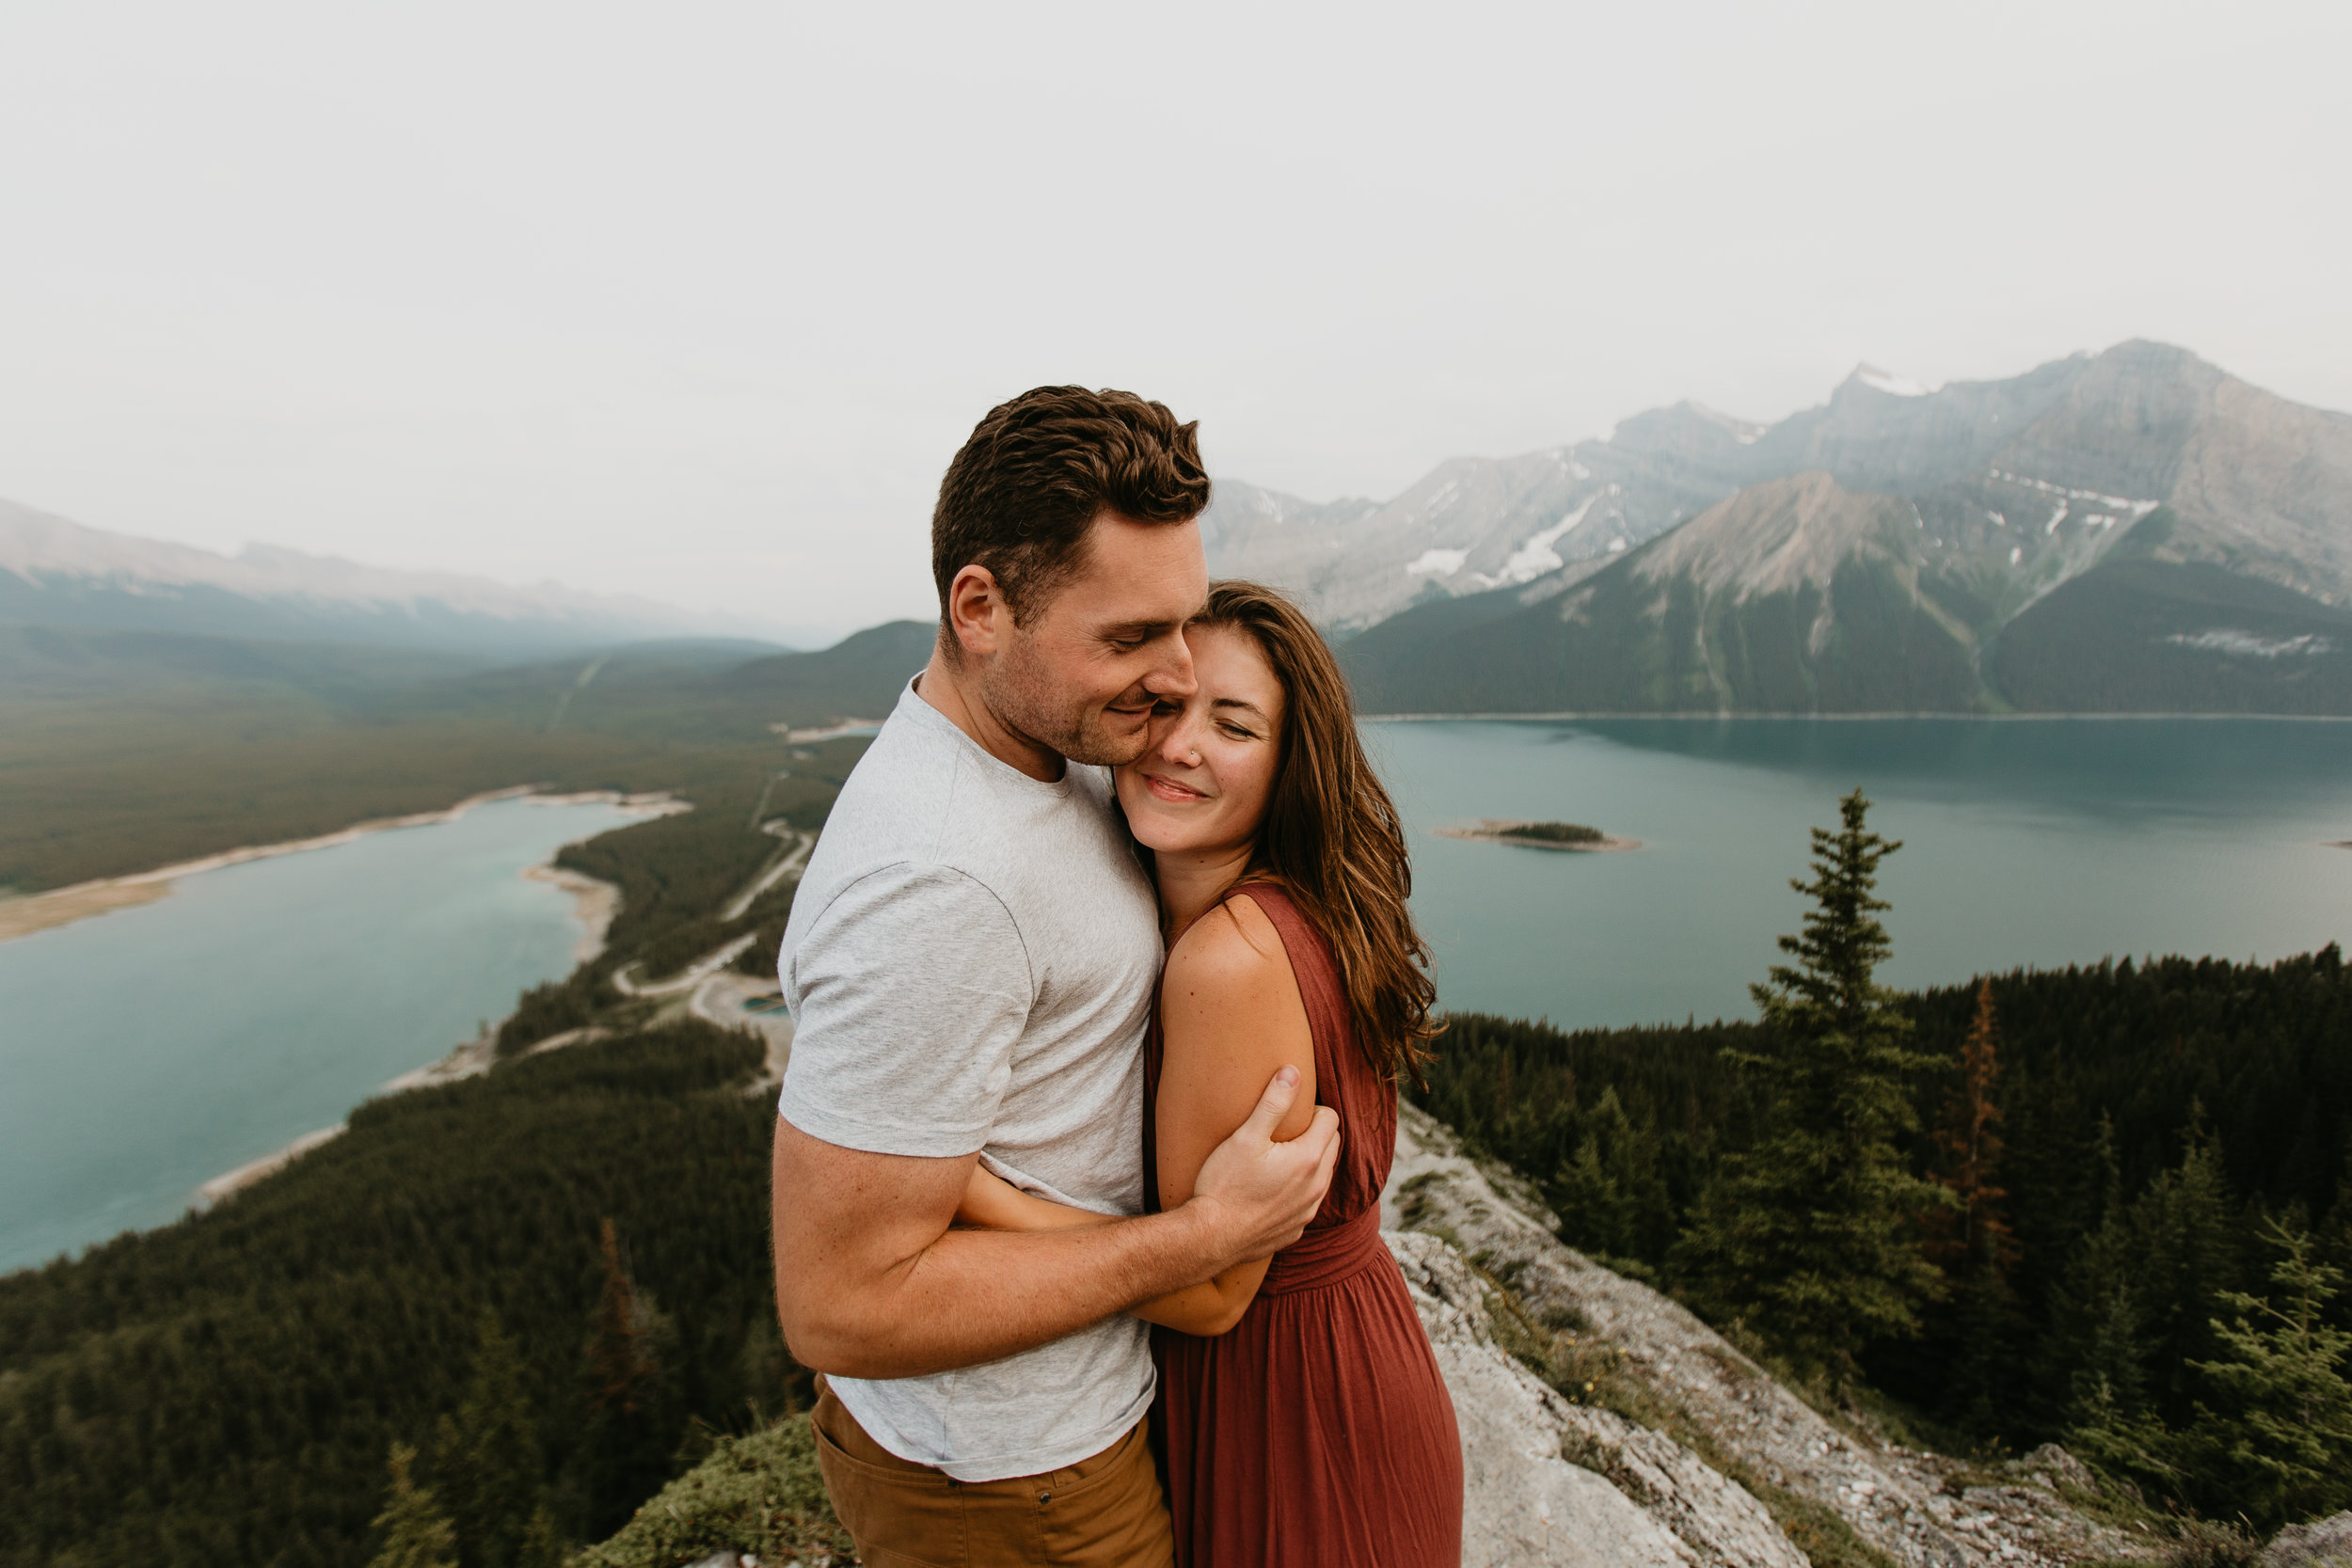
column 1326, row 1257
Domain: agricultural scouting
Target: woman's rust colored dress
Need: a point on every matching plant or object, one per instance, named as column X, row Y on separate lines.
column 1319, row 1431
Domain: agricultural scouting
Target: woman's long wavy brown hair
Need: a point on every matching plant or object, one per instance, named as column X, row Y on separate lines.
column 1332, row 836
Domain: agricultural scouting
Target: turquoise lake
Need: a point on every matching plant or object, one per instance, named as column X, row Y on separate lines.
column 148, row 1051
column 2026, row 843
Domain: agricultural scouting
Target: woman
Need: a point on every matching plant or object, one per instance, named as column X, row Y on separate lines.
column 1301, row 1411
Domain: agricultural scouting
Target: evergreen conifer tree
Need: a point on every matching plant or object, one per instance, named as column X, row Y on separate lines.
column 540, row 1547
column 1971, row 1241
column 635, row 1416
column 2185, row 1230
column 1610, row 1192
column 488, row 1454
column 417, row 1534
column 1974, row 1236
column 2101, row 1348
column 1809, row 1235
column 2282, row 1447
column 2096, row 1349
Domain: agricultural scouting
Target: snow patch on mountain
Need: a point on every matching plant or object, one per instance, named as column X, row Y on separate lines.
column 1535, row 557
column 1892, row 385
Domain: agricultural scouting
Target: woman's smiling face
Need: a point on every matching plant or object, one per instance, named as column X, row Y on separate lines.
column 1202, row 783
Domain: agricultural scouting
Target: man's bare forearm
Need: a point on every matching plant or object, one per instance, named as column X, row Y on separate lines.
column 976, row 1295
column 871, row 1281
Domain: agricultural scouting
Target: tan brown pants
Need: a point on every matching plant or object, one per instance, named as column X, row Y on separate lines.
column 1099, row 1512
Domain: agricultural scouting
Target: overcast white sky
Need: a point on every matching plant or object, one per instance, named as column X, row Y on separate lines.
column 696, row 300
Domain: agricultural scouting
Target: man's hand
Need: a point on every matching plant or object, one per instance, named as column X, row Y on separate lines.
column 1261, row 1193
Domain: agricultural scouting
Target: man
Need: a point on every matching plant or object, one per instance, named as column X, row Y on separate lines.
column 970, row 963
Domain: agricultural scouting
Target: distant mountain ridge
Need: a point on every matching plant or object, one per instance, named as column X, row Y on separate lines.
column 2134, row 531
column 56, row 572
column 1475, row 524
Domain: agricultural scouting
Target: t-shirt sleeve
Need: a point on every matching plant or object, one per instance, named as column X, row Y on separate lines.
column 909, row 992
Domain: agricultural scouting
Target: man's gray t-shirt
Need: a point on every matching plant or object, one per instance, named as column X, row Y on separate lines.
column 970, row 964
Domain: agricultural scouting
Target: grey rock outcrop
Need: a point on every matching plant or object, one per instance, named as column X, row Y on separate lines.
column 1548, row 1482
column 1922, row 1510
column 2322, row 1543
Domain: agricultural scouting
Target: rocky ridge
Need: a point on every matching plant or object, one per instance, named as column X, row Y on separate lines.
column 1474, row 524
column 1720, row 1450
column 57, row 571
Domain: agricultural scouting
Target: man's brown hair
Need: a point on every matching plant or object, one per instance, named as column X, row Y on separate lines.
column 1018, row 499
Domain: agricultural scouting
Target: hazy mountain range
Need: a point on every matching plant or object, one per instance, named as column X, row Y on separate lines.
column 2133, row 531
column 57, row 573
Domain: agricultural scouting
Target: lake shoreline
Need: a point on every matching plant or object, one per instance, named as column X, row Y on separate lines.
column 28, row 914
column 594, row 903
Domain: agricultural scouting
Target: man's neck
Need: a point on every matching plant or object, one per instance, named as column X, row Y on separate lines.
column 955, row 691
column 1191, row 885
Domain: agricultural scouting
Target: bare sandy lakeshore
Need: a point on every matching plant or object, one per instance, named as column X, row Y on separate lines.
column 23, row 916
column 1494, row 830
column 40, row 911
column 594, row 904
column 253, row 1170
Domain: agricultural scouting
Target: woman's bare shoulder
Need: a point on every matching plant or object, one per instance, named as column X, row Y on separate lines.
column 1232, row 947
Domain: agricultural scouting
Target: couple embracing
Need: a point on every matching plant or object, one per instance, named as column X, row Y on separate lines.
column 1104, row 982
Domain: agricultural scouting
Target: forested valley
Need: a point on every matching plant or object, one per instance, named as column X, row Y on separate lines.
column 544, row 1291
column 225, row 1391
column 2104, row 1206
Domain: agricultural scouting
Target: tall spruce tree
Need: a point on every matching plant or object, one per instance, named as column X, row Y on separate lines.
column 1611, row 1192
column 417, row 1534
column 635, row 1416
column 1971, row 1241
column 2280, row 1447
column 2099, row 1347
column 2186, row 1228
column 1810, row 1236
column 2095, row 1347
column 488, row 1454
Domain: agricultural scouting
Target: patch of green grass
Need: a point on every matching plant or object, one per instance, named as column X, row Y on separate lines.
column 761, row 1495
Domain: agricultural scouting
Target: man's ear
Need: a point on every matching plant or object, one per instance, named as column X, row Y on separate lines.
column 977, row 615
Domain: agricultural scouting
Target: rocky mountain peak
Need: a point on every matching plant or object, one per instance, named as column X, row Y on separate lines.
column 1782, row 534
column 1870, row 378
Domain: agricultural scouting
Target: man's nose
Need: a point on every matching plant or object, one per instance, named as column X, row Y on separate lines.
column 1171, row 675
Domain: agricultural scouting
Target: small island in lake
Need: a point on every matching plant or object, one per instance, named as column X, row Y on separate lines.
column 1542, row 835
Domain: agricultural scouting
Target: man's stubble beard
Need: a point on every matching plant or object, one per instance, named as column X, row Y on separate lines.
column 1023, row 697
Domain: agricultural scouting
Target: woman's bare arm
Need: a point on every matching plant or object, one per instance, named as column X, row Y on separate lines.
column 1228, row 1002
